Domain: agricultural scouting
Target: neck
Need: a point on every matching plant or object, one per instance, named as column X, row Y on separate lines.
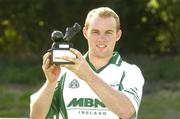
column 99, row 62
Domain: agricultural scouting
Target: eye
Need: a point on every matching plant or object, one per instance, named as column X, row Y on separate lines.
column 109, row 32
column 95, row 32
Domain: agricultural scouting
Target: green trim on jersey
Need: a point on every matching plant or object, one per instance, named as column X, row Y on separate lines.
column 120, row 83
column 116, row 59
column 58, row 104
column 63, row 107
column 135, row 96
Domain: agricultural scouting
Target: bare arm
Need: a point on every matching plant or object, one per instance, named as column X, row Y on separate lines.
column 123, row 106
column 41, row 100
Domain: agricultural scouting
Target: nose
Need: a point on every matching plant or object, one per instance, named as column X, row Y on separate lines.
column 102, row 37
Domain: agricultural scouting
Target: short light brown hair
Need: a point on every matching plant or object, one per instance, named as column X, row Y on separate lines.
column 103, row 12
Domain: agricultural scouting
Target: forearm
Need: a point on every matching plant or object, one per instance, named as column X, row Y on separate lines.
column 123, row 107
column 41, row 101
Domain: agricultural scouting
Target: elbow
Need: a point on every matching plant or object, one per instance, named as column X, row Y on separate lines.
column 127, row 113
column 34, row 114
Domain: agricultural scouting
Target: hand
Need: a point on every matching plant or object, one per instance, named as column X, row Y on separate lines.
column 51, row 71
column 80, row 66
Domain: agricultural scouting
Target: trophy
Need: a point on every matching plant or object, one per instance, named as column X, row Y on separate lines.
column 62, row 44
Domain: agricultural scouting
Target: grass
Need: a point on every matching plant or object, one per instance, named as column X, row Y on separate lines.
column 14, row 100
column 19, row 78
column 160, row 104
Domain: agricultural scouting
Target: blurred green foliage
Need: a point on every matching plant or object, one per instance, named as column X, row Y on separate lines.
column 21, row 71
column 26, row 25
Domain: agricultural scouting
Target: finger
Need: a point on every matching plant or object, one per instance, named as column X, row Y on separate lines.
column 46, row 54
column 47, row 64
column 76, row 52
column 46, row 57
column 46, row 60
column 52, row 67
column 70, row 59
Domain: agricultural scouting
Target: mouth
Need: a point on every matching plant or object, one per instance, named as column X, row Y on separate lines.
column 101, row 46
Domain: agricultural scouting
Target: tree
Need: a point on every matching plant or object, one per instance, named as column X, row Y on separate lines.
column 152, row 25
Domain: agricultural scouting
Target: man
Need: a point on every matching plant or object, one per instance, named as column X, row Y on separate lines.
column 97, row 86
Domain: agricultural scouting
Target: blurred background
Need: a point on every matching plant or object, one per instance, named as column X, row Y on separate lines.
column 151, row 40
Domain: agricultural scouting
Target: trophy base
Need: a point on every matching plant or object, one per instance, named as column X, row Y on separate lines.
column 57, row 55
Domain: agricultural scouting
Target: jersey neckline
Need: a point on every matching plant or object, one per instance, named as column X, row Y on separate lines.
column 115, row 59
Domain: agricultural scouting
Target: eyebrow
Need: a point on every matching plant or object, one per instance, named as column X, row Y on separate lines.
column 94, row 30
column 105, row 31
column 110, row 31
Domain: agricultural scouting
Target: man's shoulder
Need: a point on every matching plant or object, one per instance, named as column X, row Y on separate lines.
column 132, row 71
column 129, row 66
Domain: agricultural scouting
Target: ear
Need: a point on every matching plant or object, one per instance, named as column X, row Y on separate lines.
column 118, row 35
column 85, row 32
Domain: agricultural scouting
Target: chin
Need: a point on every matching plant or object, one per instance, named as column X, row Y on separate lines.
column 103, row 55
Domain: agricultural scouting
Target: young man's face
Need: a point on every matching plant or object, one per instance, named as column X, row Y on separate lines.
column 102, row 35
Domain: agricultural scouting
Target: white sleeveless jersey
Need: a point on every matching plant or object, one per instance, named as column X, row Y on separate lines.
column 74, row 99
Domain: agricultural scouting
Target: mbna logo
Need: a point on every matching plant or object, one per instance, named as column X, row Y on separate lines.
column 86, row 102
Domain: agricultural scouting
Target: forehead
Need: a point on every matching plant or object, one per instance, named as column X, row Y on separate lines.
column 97, row 22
